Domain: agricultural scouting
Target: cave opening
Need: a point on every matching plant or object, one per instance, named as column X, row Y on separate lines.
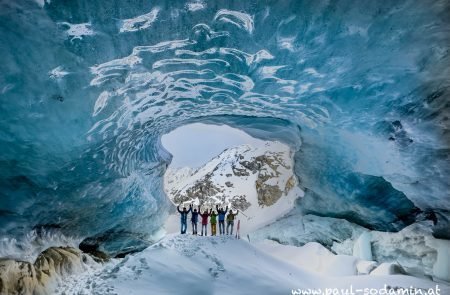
column 220, row 165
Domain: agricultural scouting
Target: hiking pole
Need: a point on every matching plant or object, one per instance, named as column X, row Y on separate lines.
column 240, row 212
column 238, row 236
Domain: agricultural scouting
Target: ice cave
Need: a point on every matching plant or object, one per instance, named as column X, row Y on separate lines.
column 341, row 177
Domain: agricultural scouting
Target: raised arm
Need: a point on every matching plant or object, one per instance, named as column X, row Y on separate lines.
column 226, row 210
column 190, row 209
column 178, row 209
column 237, row 212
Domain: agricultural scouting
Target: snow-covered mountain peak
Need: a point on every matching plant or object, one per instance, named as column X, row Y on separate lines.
column 257, row 180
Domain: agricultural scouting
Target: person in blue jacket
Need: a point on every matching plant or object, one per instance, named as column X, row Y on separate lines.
column 194, row 220
column 221, row 214
column 183, row 215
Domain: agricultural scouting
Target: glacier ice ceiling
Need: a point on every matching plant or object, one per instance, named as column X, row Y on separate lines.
column 360, row 89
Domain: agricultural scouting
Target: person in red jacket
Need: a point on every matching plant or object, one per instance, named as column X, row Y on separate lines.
column 204, row 216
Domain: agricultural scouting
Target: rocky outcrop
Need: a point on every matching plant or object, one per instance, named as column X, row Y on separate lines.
column 240, row 203
column 91, row 246
column 40, row 277
column 267, row 194
column 239, row 171
column 290, row 184
column 201, row 189
column 19, row 277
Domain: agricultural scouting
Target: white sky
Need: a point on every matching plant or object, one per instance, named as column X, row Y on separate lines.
column 195, row 144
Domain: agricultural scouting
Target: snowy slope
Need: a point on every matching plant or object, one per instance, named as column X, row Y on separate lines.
column 257, row 180
column 174, row 177
column 185, row 264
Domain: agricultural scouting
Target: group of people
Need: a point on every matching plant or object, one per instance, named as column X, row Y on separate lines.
column 218, row 215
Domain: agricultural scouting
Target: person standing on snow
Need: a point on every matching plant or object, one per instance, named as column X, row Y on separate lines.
column 230, row 220
column 221, row 214
column 194, row 220
column 183, row 215
column 213, row 221
column 204, row 216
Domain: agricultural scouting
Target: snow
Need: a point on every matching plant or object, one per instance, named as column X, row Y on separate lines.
column 177, row 177
column 185, row 264
column 312, row 257
column 387, row 269
column 365, row 267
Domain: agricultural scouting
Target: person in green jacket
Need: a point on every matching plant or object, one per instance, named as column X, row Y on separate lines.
column 230, row 220
column 213, row 221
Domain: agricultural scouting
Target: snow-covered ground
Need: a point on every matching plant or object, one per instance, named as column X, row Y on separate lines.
column 186, row 264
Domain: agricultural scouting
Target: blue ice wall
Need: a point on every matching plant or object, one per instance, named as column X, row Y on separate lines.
column 359, row 88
